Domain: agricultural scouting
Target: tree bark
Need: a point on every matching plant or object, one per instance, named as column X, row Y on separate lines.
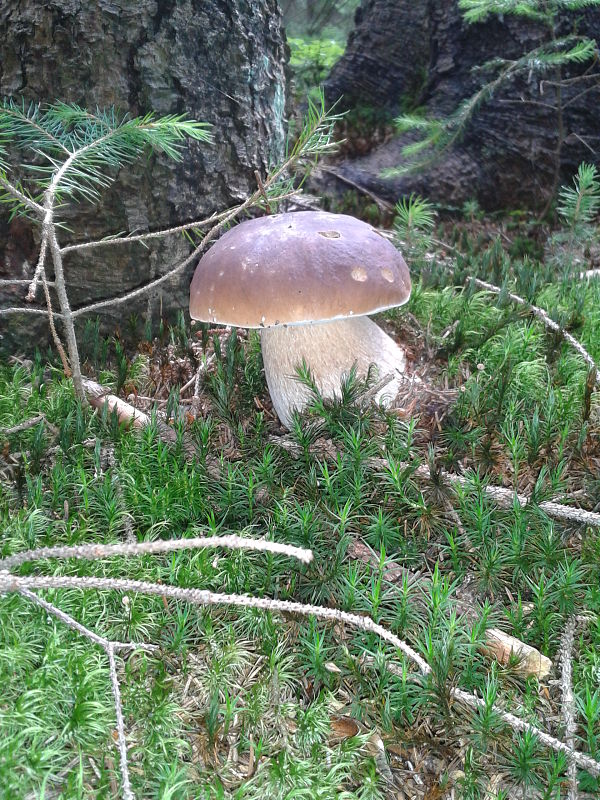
column 386, row 58
column 508, row 156
column 219, row 61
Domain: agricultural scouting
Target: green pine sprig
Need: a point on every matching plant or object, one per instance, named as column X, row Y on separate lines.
column 77, row 152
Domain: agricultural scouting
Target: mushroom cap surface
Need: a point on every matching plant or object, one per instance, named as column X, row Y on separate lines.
column 296, row 268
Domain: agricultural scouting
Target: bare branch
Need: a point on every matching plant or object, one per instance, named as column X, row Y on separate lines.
column 23, row 426
column 116, row 301
column 114, row 682
column 24, row 310
column 263, row 191
column 19, row 282
column 77, row 626
column 39, row 267
column 142, row 237
column 574, row 756
column 65, row 307
column 109, row 647
column 546, row 320
column 568, row 700
column 13, row 583
column 94, row 551
column 51, row 325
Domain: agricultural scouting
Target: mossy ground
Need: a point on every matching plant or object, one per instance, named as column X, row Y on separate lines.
column 245, row 704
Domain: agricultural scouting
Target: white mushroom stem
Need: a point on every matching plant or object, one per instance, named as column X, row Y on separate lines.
column 329, row 349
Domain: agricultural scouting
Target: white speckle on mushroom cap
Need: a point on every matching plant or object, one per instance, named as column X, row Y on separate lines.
column 330, row 234
column 359, row 274
column 387, row 274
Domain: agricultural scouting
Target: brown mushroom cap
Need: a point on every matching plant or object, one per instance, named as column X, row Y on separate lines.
column 295, row 268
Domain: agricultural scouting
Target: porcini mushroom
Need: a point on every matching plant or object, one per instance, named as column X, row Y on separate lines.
column 306, row 279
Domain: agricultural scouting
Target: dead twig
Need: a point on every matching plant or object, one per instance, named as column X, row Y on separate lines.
column 498, row 644
column 109, row 647
column 94, row 551
column 263, row 191
column 568, row 700
column 384, row 205
column 23, row 426
column 13, row 583
column 505, row 498
column 542, row 315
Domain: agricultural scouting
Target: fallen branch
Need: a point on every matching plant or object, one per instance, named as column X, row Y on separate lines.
column 589, row 274
column 498, row 644
column 23, row 426
column 100, row 397
column 384, row 205
column 109, row 647
column 568, row 700
column 505, row 498
column 504, row 647
column 13, row 583
column 542, row 315
column 122, row 741
column 94, row 551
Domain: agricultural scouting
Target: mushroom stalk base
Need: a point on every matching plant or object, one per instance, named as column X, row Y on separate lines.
column 330, row 349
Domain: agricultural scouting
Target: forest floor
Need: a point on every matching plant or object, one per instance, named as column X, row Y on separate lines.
column 395, row 506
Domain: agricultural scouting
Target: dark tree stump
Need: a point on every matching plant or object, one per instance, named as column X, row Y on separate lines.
column 219, row 61
column 508, row 156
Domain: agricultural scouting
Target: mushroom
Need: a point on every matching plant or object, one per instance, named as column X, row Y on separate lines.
column 306, row 279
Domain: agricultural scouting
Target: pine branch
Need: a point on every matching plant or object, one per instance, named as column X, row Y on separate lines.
column 480, row 10
column 22, row 198
column 314, row 140
column 441, row 134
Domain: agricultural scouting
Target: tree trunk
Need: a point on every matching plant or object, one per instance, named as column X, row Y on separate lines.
column 386, row 57
column 424, row 55
column 219, row 61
